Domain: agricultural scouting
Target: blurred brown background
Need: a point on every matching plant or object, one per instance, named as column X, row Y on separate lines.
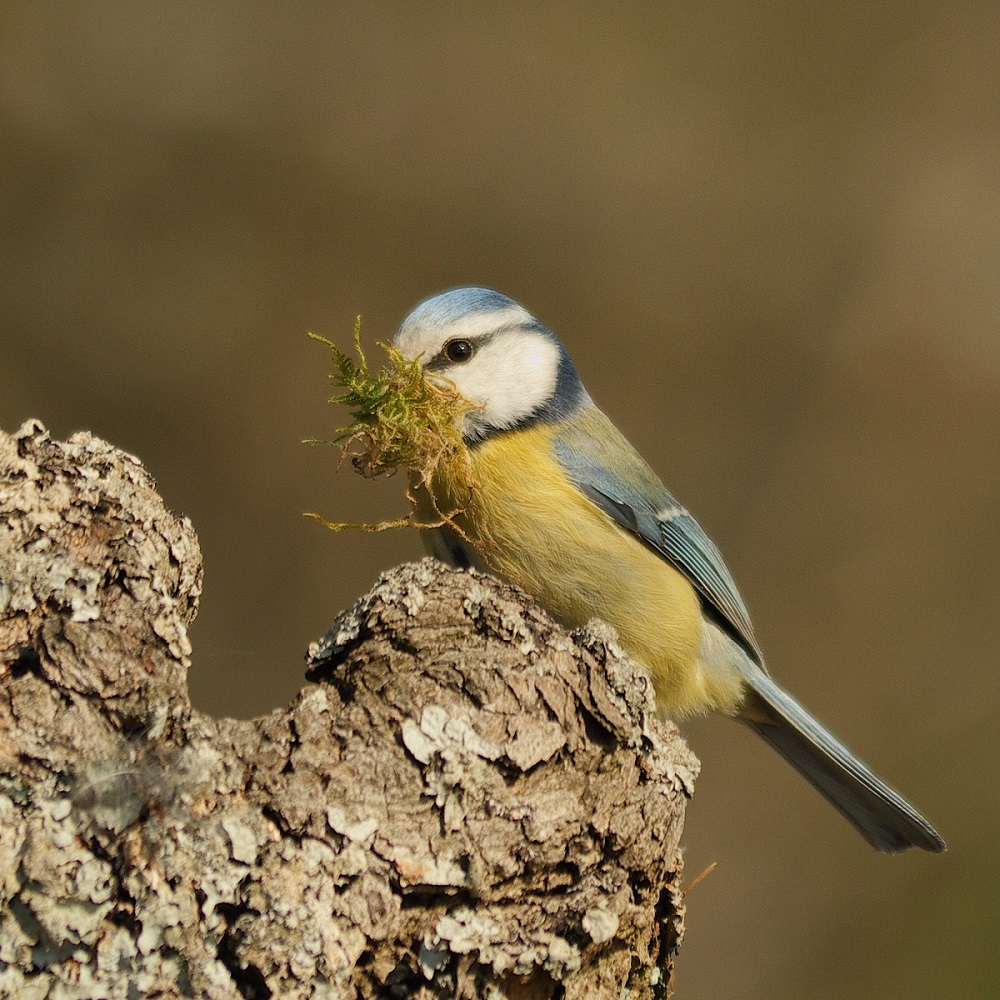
column 769, row 234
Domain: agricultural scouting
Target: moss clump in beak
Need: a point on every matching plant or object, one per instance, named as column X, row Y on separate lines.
column 399, row 420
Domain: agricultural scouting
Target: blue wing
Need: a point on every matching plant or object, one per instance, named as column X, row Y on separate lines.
column 588, row 448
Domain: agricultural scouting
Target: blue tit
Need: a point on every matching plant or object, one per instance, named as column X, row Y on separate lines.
column 566, row 508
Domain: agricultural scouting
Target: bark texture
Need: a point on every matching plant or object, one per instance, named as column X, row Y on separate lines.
column 468, row 802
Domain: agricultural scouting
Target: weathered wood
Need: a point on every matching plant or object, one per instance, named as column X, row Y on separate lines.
column 469, row 802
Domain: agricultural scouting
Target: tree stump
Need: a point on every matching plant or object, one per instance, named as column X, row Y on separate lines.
column 468, row 802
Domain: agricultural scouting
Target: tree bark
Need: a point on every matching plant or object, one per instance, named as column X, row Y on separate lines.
column 468, row 802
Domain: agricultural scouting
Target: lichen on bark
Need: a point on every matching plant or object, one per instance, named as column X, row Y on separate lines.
column 468, row 800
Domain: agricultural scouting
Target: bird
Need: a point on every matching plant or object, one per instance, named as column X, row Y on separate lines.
column 566, row 508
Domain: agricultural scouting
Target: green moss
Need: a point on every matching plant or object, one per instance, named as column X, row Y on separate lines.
column 399, row 420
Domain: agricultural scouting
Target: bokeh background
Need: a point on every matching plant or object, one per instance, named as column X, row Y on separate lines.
column 770, row 235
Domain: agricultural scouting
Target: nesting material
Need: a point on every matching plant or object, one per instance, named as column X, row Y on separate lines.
column 400, row 419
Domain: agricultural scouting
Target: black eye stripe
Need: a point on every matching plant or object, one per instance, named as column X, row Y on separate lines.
column 442, row 360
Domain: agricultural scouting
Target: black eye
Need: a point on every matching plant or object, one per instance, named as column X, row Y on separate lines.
column 458, row 351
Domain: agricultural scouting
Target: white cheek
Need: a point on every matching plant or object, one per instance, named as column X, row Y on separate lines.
column 510, row 377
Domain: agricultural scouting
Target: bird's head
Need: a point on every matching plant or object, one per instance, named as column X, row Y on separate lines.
column 497, row 355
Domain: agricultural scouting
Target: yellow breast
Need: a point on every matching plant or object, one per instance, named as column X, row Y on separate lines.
column 533, row 527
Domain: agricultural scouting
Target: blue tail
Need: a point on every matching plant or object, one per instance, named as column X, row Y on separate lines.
column 883, row 817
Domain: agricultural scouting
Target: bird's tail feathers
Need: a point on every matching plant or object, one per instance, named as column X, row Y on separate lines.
column 882, row 816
